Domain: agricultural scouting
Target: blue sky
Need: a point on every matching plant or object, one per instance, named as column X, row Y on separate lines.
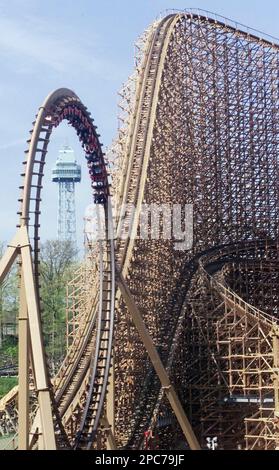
column 86, row 45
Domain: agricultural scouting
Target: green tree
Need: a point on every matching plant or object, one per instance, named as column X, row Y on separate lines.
column 8, row 313
column 58, row 263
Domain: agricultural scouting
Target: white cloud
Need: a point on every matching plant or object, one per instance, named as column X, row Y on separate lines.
column 9, row 145
column 30, row 40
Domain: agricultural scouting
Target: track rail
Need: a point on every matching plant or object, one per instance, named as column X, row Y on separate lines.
column 139, row 144
column 82, row 381
column 141, row 132
column 63, row 104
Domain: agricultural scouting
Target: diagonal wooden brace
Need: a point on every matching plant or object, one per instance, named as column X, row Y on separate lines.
column 157, row 364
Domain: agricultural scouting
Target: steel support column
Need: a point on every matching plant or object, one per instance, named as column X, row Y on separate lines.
column 23, row 379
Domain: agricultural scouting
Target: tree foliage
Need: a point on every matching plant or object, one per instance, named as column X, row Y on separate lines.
column 58, row 263
column 8, row 313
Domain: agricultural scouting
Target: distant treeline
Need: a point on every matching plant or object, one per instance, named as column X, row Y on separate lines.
column 58, row 263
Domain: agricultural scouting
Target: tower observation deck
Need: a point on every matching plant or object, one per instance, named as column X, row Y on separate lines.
column 66, row 173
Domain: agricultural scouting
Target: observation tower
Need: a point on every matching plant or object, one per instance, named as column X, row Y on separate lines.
column 66, row 173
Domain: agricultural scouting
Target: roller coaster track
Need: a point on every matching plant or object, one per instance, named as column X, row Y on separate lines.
column 101, row 314
column 142, row 121
column 185, row 140
column 78, row 365
column 138, row 155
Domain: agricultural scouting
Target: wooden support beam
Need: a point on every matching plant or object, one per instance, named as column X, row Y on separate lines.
column 111, row 443
column 158, row 365
column 275, row 344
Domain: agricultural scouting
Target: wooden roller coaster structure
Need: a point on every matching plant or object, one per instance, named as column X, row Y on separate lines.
column 177, row 344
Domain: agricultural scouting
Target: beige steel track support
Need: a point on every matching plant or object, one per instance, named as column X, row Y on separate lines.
column 111, row 443
column 158, row 365
column 275, row 344
column 31, row 343
column 23, row 388
column 111, row 399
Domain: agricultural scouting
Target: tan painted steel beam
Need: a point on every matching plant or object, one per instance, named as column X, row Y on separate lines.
column 110, row 402
column 23, row 378
column 9, row 256
column 111, row 442
column 158, row 365
column 40, row 372
column 29, row 332
column 50, row 99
